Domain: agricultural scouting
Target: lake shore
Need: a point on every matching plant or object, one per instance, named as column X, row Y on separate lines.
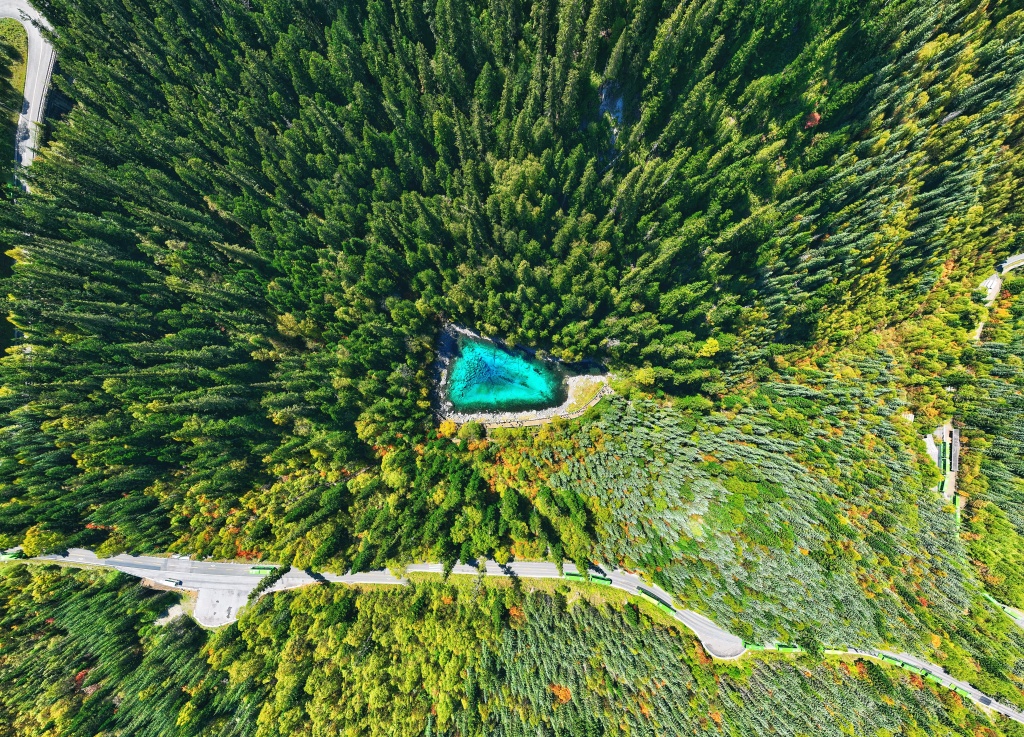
column 582, row 391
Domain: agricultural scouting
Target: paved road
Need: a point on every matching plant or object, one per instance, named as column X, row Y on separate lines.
column 976, row 695
column 716, row 641
column 37, row 77
column 994, row 283
column 224, row 587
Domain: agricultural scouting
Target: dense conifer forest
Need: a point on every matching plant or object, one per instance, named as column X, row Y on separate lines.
column 992, row 410
column 768, row 220
column 434, row 659
column 12, row 72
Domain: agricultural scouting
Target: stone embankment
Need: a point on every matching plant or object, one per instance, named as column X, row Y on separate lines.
column 582, row 391
column 570, row 409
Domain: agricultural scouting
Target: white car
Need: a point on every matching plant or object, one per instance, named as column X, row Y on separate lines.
column 171, row 582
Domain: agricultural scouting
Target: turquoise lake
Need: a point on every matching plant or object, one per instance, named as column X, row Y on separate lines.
column 486, row 378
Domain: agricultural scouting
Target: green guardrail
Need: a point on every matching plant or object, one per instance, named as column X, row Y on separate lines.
column 1003, row 607
column 917, row 670
column 927, row 675
column 594, row 578
column 783, row 648
column 657, row 601
column 1009, row 611
column 905, row 666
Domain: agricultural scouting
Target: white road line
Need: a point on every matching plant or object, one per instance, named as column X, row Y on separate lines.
column 224, row 589
column 39, row 69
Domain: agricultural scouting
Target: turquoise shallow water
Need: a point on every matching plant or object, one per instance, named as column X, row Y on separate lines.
column 485, row 378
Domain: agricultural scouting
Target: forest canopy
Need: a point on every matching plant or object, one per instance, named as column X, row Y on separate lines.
column 433, row 659
column 247, row 226
column 768, row 219
column 241, row 238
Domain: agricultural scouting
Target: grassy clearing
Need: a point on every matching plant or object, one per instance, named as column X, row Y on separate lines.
column 584, row 392
column 13, row 65
column 12, row 34
column 573, row 591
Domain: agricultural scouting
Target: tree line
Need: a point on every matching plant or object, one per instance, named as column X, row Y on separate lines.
column 86, row 654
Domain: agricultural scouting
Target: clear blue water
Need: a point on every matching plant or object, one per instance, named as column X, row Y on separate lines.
column 486, row 378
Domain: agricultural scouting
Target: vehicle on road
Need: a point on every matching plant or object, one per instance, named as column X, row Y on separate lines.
column 175, row 582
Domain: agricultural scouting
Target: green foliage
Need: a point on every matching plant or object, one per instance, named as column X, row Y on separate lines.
column 768, row 218
column 81, row 657
column 806, row 513
column 268, row 582
column 13, row 52
column 430, row 659
column 231, row 266
column 991, row 411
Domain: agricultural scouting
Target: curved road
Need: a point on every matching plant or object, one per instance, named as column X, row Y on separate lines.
column 37, row 76
column 224, row 589
column 994, row 284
